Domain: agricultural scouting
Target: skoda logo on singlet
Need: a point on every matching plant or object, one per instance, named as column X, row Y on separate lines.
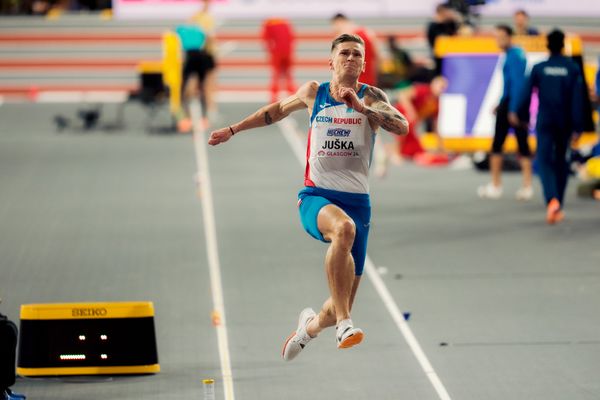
column 338, row 132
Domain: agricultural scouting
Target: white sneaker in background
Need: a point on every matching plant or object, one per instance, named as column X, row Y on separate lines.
column 525, row 193
column 381, row 159
column 489, row 191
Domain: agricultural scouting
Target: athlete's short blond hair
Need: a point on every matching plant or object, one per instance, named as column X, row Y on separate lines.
column 346, row 37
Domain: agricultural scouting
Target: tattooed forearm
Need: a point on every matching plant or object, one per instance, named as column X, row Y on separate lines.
column 388, row 120
column 268, row 119
column 382, row 114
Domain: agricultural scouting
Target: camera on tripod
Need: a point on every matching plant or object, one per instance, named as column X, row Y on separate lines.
column 469, row 9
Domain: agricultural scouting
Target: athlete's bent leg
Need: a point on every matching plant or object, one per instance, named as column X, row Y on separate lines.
column 338, row 228
column 326, row 318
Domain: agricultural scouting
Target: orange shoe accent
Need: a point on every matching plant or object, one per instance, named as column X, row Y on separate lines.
column 184, row 126
column 552, row 211
column 286, row 342
column 203, row 123
column 559, row 216
column 215, row 316
column 351, row 341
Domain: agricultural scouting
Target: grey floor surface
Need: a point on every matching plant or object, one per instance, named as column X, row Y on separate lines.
column 115, row 216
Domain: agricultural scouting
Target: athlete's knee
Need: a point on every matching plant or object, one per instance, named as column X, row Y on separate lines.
column 344, row 232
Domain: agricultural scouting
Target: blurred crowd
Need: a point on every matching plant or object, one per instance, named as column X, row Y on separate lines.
column 42, row 7
column 415, row 84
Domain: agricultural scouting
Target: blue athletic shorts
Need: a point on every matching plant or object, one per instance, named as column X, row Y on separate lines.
column 356, row 205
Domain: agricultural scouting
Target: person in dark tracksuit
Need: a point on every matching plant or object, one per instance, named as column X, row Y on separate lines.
column 513, row 72
column 560, row 90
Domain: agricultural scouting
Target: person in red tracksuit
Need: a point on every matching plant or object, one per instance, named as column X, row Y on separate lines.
column 341, row 24
column 418, row 102
column 278, row 36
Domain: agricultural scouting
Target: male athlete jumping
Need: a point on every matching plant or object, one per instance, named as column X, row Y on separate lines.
column 334, row 205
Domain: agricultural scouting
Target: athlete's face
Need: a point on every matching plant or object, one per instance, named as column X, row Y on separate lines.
column 348, row 58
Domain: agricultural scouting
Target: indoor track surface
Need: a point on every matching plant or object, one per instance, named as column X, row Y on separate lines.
column 503, row 306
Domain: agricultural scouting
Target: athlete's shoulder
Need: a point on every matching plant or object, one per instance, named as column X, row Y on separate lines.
column 307, row 93
column 308, row 90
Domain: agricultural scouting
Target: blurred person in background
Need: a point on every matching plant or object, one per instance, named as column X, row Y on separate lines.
column 402, row 62
column 404, row 67
column 446, row 22
column 278, row 37
column 419, row 102
column 334, row 204
column 560, row 88
column 513, row 72
column 196, row 64
column 204, row 19
column 342, row 24
column 596, row 96
column 521, row 24
column 41, row 7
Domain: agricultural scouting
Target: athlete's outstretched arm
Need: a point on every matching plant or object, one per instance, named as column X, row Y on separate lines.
column 269, row 114
column 377, row 108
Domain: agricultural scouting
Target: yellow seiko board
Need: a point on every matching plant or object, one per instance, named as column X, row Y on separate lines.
column 87, row 339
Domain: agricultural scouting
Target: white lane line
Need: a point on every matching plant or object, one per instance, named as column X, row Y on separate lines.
column 74, row 96
column 121, row 96
column 212, row 248
column 296, row 142
column 398, row 317
column 240, row 96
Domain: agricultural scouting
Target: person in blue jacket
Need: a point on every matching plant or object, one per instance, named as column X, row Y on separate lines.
column 513, row 72
column 559, row 83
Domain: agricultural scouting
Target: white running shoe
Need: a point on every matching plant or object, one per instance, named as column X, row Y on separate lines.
column 299, row 339
column 347, row 335
column 489, row 191
column 525, row 193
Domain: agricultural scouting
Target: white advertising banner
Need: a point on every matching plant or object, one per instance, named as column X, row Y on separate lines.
column 544, row 8
column 239, row 9
column 323, row 9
